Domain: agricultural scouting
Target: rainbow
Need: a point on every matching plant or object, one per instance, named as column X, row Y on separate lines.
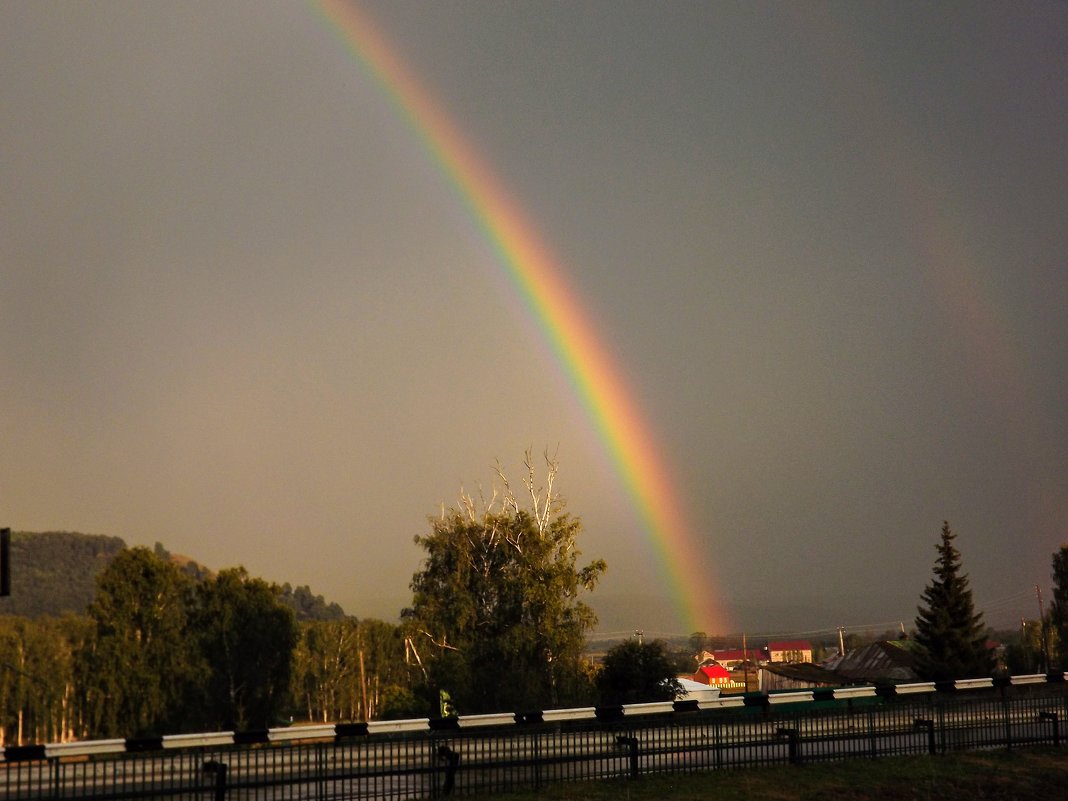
column 541, row 282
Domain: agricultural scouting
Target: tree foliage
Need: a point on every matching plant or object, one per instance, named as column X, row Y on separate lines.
column 496, row 610
column 950, row 634
column 1058, row 610
column 1025, row 650
column 166, row 646
column 54, row 573
column 38, row 692
column 246, row 640
column 306, row 605
column 698, row 642
column 353, row 670
column 636, row 672
column 169, row 654
column 140, row 663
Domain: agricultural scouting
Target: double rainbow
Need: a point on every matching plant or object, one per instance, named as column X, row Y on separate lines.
column 541, row 282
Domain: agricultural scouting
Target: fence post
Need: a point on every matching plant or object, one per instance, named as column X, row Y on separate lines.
column 218, row 770
column 792, row 739
column 717, row 742
column 1053, row 718
column 452, row 762
column 537, row 761
column 942, row 727
column 320, row 769
column 1007, row 711
column 632, row 744
column 923, row 723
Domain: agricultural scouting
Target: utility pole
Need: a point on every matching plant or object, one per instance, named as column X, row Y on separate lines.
column 1026, row 647
column 841, row 641
column 639, row 633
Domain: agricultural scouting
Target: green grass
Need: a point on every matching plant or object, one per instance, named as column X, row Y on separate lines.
column 1032, row 773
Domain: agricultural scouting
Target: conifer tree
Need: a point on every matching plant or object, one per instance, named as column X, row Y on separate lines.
column 951, row 635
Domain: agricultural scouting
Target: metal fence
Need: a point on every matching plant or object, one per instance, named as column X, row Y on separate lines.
column 451, row 759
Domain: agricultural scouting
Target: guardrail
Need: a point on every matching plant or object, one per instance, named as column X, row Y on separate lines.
column 429, row 758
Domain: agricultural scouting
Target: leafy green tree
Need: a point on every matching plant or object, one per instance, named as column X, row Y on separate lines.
column 637, row 672
column 1024, row 653
column 950, row 634
column 138, row 668
column 385, row 678
column 351, row 670
column 398, row 703
column 247, row 636
column 698, row 642
column 323, row 670
column 1058, row 610
column 495, row 611
column 306, row 605
column 38, row 694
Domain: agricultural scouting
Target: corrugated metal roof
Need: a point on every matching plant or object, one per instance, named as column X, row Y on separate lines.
column 807, row 672
column 885, row 660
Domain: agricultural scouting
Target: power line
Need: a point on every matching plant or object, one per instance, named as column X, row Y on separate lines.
column 1013, row 602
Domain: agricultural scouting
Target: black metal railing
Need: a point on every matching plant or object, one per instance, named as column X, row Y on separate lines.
column 453, row 759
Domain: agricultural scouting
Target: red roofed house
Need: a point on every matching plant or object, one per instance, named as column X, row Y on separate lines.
column 790, row 651
column 716, row 676
column 733, row 658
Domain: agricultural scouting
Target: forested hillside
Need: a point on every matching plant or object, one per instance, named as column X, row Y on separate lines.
column 166, row 646
column 55, row 572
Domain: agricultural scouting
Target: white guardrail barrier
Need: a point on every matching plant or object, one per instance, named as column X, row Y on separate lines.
column 331, row 731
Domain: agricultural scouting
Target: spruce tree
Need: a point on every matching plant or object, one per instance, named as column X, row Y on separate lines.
column 951, row 635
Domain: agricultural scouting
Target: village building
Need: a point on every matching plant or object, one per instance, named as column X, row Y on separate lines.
column 789, row 651
column 735, row 658
column 886, row 661
column 695, row 691
column 797, row 676
column 719, row 677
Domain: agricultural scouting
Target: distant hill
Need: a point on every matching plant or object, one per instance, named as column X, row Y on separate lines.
column 54, row 572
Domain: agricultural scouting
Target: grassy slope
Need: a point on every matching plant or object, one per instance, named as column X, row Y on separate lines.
column 1032, row 773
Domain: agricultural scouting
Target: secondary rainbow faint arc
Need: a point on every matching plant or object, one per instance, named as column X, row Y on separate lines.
column 542, row 284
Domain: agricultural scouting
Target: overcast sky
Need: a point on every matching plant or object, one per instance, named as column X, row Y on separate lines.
column 243, row 311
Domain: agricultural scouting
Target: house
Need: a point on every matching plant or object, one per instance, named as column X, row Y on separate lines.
column 717, row 676
column 797, row 676
column 883, row 661
column 696, row 691
column 733, row 658
column 789, row 651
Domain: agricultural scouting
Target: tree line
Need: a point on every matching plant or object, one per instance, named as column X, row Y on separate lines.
column 159, row 652
column 498, row 622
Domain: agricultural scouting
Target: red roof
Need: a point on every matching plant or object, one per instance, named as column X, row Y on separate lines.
column 715, row 672
column 790, row 645
column 738, row 655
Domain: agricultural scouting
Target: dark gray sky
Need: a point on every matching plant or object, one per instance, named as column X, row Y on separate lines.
column 244, row 313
